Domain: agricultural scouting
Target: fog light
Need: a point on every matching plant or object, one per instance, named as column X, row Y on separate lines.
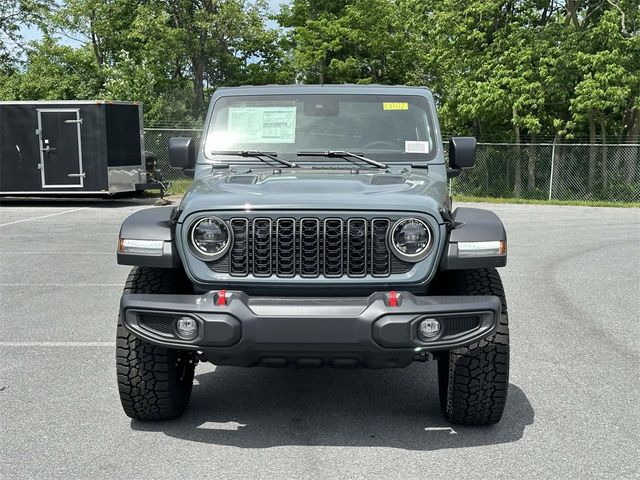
column 187, row 328
column 428, row 328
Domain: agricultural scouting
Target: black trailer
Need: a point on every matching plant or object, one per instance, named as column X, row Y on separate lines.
column 72, row 147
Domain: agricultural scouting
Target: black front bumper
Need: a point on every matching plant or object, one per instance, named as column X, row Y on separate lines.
column 341, row 332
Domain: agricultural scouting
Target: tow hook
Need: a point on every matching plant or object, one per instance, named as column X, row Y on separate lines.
column 422, row 355
column 182, row 362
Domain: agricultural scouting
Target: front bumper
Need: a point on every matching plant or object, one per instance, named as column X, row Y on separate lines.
column 341, row 332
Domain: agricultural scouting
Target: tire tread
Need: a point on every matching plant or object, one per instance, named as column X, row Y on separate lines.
column 154, row 382
column 474, row 380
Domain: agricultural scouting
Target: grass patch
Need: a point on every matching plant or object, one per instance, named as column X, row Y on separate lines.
column 180, row 186
column 177, row 188
column 526, row 201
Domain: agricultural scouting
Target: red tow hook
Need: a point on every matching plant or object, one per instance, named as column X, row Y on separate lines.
column 393, row 298
column 222, row 298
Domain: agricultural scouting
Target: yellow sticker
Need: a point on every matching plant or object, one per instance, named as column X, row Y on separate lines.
column 395, row 105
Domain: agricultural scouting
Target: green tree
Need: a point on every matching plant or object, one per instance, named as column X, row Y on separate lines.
column 501, row 69
column 312, row 37
column 208, row 43
column 357, row 41
column 13, row 15
column 54, row 72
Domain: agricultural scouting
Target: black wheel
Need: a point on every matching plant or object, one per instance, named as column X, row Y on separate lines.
column 473, row 380
column 154, row 382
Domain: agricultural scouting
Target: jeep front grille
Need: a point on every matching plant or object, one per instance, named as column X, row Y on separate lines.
column 310, row 247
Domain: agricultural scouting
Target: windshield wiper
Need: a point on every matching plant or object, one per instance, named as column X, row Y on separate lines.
column 255, row 154
column 342, row 154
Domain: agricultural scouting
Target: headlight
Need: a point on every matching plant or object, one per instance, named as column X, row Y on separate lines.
column 210, row 238
column 410, row 239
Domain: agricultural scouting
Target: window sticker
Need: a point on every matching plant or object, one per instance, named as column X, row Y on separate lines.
column 416, row 147
column 262, row 124
column 395, row 105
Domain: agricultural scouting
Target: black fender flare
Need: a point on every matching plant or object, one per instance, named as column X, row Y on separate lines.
column 473, row 225
column 154, row 223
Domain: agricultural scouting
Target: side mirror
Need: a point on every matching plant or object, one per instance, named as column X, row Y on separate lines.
column 462, row 152
column 182, row 153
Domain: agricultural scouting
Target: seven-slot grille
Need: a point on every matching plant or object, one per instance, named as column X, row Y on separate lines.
column 309, row 247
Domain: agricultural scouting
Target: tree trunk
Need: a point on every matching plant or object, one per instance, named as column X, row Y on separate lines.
column 592, row 153
column 197, row 66
column 323, row 70
column 97, row 49
column 531, row 165
column 198, row 55
column 517, row 180
column 477, row 129
column 571, row 7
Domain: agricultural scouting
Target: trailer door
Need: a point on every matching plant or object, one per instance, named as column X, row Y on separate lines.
column 60, row 149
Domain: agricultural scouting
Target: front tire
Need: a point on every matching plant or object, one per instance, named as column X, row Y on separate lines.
column 154, row 382
column 473, row 380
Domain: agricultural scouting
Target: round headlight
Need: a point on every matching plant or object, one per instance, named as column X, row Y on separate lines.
column 210, row 238
column 410, row 239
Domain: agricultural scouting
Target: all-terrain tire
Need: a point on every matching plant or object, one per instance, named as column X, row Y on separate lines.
column 154, row 382
column 473, row 380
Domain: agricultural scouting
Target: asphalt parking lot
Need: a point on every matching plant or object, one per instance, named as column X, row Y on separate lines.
column 573, row 286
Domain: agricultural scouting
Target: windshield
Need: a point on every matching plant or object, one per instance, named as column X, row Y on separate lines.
column 386, row 127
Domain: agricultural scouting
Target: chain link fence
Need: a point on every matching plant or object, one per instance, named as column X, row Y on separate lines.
column 545, row 171
column 156, row 141
column 560, row 171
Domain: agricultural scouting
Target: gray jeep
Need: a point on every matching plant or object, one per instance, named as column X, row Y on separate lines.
column 318, row 232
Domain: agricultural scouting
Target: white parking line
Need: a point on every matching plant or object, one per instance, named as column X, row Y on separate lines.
column 14, row 235
column 58, row 253
column 57, row 344
column 233, row 426
column 441, row 429
column 43, row 216
column 61, row 285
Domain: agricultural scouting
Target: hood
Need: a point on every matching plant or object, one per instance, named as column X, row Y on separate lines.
column 401, row 189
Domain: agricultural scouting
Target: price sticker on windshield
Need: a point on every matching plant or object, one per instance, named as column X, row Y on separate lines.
column 262, row 124
column 395, row 105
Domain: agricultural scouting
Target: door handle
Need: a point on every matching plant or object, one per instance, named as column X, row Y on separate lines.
column 75, row 175
column 48, row 149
